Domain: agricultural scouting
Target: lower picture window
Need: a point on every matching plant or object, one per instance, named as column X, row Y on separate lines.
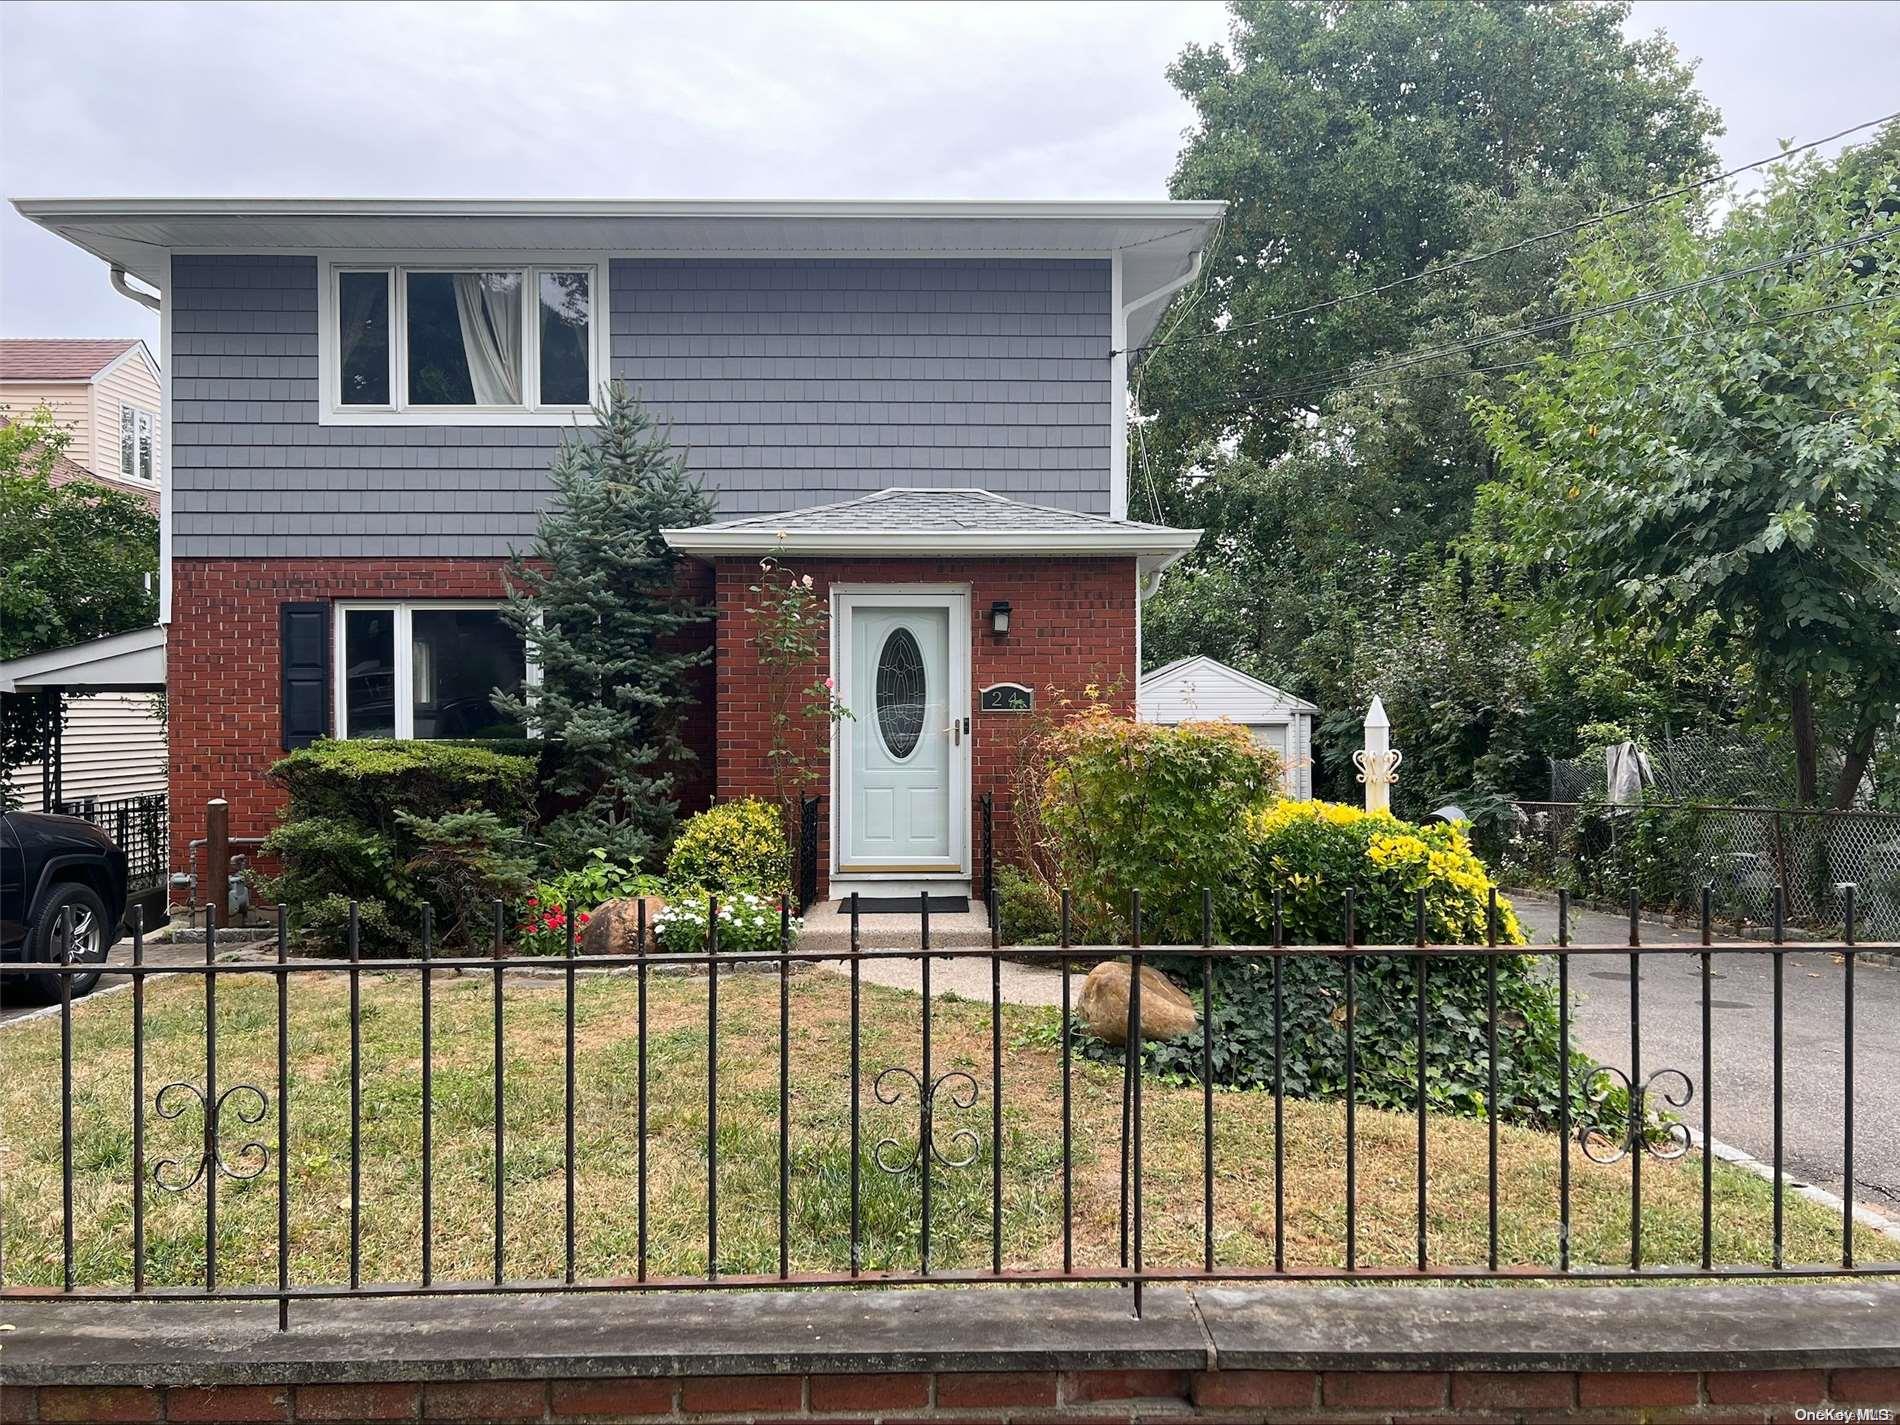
column 426, row 671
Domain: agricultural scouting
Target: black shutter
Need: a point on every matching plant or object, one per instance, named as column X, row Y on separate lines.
column 305, row 637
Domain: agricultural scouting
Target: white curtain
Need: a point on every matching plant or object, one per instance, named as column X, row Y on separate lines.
column 489, row 306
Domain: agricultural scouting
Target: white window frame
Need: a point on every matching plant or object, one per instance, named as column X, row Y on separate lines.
column 144, row 431
column 146, row 448
column 404, row 680
column 401, row 412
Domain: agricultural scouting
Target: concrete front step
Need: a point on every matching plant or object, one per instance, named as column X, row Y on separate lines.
column 828, row 928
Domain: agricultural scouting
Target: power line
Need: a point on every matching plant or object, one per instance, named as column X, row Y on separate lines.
column 1231, row 403
column 1519, row 246
column 1345, row 376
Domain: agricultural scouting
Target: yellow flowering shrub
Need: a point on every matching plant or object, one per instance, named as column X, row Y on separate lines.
column 1312, row 851
column 731, row 846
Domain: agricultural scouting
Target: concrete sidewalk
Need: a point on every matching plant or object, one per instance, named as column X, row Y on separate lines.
column 1741, row 1002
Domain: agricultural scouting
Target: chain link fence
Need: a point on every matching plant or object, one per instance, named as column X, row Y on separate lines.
column 1669, row 850
column 1700, row 768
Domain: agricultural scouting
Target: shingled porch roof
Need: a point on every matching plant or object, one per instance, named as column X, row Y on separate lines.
column 910, row 522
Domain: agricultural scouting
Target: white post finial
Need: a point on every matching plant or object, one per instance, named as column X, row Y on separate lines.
column 1378, row 764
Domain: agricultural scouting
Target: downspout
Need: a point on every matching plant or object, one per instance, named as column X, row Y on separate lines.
column 1167, row 289
column 125, row 289
column 1119, row 368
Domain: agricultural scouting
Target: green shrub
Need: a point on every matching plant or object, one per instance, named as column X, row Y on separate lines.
column 748, row 924
column 1311, row 852
column 1654, row 850
column 396, row 826
column 732, row 847
column 1139, row 806
column 1028, row 910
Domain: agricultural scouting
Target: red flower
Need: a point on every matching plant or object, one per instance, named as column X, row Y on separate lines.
column 583, row 917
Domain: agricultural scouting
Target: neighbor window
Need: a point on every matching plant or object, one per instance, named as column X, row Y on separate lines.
column 488, row 339
column 447, row 661
column 136, row 429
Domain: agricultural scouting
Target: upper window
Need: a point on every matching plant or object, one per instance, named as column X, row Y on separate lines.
column 136, row 435
column 438, row 341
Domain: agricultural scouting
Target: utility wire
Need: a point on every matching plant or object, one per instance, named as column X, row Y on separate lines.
column 1463, row 262
column 1344, row 376
column 1523, row 361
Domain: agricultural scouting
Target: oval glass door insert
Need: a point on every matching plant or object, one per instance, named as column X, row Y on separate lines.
column 900, row 693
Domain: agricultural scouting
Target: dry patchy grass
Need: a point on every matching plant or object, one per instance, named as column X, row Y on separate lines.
column 606, row 1146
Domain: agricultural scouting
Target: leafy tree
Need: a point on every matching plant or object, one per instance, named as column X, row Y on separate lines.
column 1361, row 145
column 599, row 604
column 1727, row 463
column 77, row 561
column 79, row 558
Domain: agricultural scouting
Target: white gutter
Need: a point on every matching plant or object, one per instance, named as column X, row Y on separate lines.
column 124, row 289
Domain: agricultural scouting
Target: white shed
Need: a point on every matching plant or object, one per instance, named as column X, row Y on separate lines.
column 1202, row 690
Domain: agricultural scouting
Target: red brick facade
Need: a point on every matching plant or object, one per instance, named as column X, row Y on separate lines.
column 1072, row 624
column 224, row 669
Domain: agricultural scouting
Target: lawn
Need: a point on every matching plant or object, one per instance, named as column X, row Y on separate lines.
column 748, row 1146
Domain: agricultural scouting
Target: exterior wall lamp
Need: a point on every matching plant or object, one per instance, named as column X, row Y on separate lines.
column 999, row 618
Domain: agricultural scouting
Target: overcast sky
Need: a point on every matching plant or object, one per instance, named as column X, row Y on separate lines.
column 846, row 100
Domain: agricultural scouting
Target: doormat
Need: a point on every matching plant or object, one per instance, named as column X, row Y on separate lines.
column 906, row 905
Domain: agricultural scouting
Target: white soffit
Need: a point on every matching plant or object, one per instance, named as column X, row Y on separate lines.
column 1157, row 239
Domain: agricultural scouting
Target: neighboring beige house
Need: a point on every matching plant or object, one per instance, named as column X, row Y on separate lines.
column 106, row 393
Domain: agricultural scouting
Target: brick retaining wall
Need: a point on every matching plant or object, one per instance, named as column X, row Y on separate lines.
column 1287, row 1352
column 1098, row 1395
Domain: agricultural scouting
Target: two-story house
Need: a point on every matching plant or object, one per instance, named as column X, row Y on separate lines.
column 921, row 404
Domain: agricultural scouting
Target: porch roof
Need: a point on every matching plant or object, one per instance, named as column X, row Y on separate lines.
column 922, row 523
column 119, row 663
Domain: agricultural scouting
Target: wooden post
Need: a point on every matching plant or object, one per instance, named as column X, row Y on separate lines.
column 218, row 857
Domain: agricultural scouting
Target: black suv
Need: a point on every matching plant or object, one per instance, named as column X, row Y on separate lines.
column 47, row 865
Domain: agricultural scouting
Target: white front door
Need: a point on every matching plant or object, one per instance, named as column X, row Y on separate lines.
column 903, row 771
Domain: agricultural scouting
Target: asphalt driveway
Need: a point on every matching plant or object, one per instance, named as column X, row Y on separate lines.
column 163, row 952
column 1742, row 1003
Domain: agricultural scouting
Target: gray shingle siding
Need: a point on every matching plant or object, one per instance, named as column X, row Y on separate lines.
column 790, row 383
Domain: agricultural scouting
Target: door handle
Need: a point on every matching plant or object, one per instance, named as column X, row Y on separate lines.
column 956, row 732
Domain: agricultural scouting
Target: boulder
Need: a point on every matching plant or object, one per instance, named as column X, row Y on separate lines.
column 1166, row 1013
column 613, row 927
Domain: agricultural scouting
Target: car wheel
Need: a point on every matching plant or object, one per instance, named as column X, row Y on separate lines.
column 92, row 941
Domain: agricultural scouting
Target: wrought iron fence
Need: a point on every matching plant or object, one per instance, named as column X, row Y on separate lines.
column 249, row 1129
column 986, row 807
column 140, row 826
column 807, row 851
column 1742, row 852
